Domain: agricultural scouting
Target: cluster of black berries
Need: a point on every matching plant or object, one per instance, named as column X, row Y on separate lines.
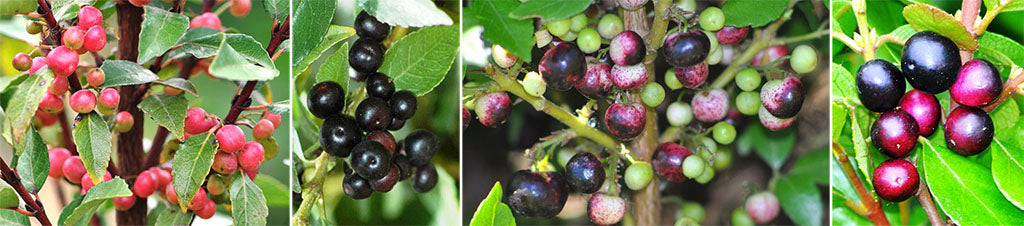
column 931, row 64
column 378, row 162
column 543, row 194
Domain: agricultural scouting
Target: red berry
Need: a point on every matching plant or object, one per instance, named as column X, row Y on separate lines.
column 605, row 209
column 45, row 119
column 62, row 61
column 207, row 211
column 51, row 103
column 924, row 108
column 225, row 163
column 251, row 156
column 384, row 138
column 774, row 52
column 207, row 20
column 124, row 203
column 252, row 173
column 711, row 105
column 22, row 62
column 625, row 121
column 197, row 121
column 74, row 37
column 139, row 3
column 83, row 101
column 762, row 207
column 163, row 177
column 692, row 76
column 172, row 197
column 198, row 200
column 37, row 63
column 89, row 16
column 894, row 133
column 57, row 158
column 493, row 108
column 597, row 82
column 275, row 118
column 668, row 161
column 231, row 138
column 109, row 98
column 124, row 121
column 627, row 48
column 263, row 129
column 896, row 180
column 729, row 35
column 95, row 38
column 628, row 77
column 59, row 85
column 88, row 184
column 969, row 130
column 145, row 184
column 978, row 84
column 239, row 8
column 95, row 77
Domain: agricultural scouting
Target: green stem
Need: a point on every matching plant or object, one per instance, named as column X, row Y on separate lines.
column 859, row 10
column 314, row 190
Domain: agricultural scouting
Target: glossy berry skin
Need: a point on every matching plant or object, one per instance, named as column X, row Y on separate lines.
column 145, row 184
column 930, row 62
column 396, row 124
column 51, row 103
column 339, row 134
column 207, row 20
column 197, row 121
column 425, row 178
column 771, row 122
column 273, row 117
column 95, row 39
column 629, row 77
column 251, row 156
column 540, row 195
column 723, row 132
column 638, row 175
column 770, row 54
column 625, row 121
column 73, row 37
column 95, row 77
column 21, row 62
column 686, row 49
column 89, row 16
column 124, row 203
column 692, row 76
column 169, row 192
column 562, row 66
column 373, row 114
column 37, row 63
column 207, row 211
column 74, row 169
column 325, row 99
column 123, row 122
column 240, row 8
column 405, row 169
column 386, row 183
column 710, row 105
column 978, row 84
column 62, row 61
column 596, row 83
column 230, row 138
column 880, row 85
column 366, row 55
column 493, row 108
column 380, row 86
column 357, row 187
column 924, row 108
column 762, row 207
column 225, row 163
column 534, row 84
column 263, row 129
column 370, row 160
column 969, row 130
column 729, row 35
column 783, row 98
column 896, row 180
column 668, row 161
column 894, row 133
column 383, row 137
column 584, row 173
column 605, row 209
column 109, row 98
column 420, row 146
column 57, row 158
column 59, row 86
column 403, row 104
column 368, row 26
column 83, row 101
column 627, row 48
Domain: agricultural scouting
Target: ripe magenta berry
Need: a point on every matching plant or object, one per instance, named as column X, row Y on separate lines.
column 124, row 203
column 783, row 98
column 692, row 76
column 894, row 133
column 403, row 105
column 880, row 85
column 380, row 86
column 686, row 49
column 51, row 103
column 251, row 156
column 366, row 55
column 386, row 183
column 562, row 66
column 339, row 134
column 356, row 187
column 502, row 57
column 373, row 114
column 62, row 61
column 627, row 48
column 325, row 98
column 710, row 105
column 596, row 83
column 95, row 77
column 273, row 117
column 762, row 207
column 638, row 175
column 230, row 138
column 109, row 98
column 57, row 158
column 930, row 62
column 924, row 108
column 631, row 4
column 225, row 163
column 140, row 3
column 370, row 160
column 263, row 129
column 73, row 37
column 773, row 53
column 605, row 209
column 197, row 121
column 207, row 20
column 896, row 180
column 207, row 211
column 83, row 101
column 369, row 27
column 628, row 77
column 771, row 122
column 625, row 121
column 969, row 130
column 668, row 161
column 977, row 85
column 95, row 39
column 59, row 85
column 536, row 194
column 199, row 200
column 584, row 173
column 74, row 169
column 420, row 146
column 493, row 108
column 89, row 16
column 145, row 184
column 729, row 35
column 425, row 178
column 239, row 8
column 124, row 121
column 22, row 62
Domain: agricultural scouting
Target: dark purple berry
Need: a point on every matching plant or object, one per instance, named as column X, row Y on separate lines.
column 925, row 109
column 492, row 109
column 930, row 62
column 977, row 85
column 380, row 86
column 729, row 35
column 405, row 169
column 625, row 121
column 425, row 178
column 536, row 194
column 339, row 134
column 366, row 55
column 403, row 104
column 396, row 124
column 597, row 82
column 692, row 76
column 627, row 48
column 562, row 66
column 896, row 180
column 420, row 146
column 894, row 133
column 325, row 99
column 969, row 130
column 373, row 114
column 668, row 161
column 356, row 187
column 686, row 49
column 370, row 160
column 368, row 26
column 783, row 98
column 880, row 85
column 584, row 173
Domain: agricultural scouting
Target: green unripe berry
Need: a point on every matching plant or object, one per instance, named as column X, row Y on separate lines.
column 685, row 221
column 693, row 166
column 748, row 102
column 740, row 218
column 708, row 174
column 638, row 175
column 578, row 22
column 609, row 26
column 713, row 40
column 709, row 144
column 723, row 132
column 687, row 5
column 33, row 28
column 712, row 19
column 748, row 79
column 693, row 210
column 588, row 40
column 804, row 60
column 671, row 81
column 653, row 94
column 714, row 57
column 571, row 36
column 679, row 114
column 559, row 27
column 534, row 84
column 723, row 160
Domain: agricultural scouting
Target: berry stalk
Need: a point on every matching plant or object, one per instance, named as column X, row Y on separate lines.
column 872, row 207
column 313, row 190
column 12, row 179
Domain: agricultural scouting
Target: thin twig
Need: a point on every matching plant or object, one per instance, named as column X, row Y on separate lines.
column 280, row 34
column 14, row 181
column 873, row 208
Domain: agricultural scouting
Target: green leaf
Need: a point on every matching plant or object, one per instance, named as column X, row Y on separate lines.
column 884, row 16
column 1005, row 115
column 843, row 83
column 20, row 111
column 861, row 151
column 549, row 10
column 191, row 164
column 201, row 42
column 67, row 9
column 13, row 218
column 160, row 31
column 93, row 139
column 33, row 162
column 277, row 8
column 334, row 35
column 772, row 146
column 408, row 13
column 181, row 84
column 171, row 216
column 248, row 207
column 839, row 117
column 904, row 32
column 8, row 197
column 1000, row 50
column 443, row 200
column 64, row 213
column 924, row 17
column 98, row 195
column 18, row 7
column 800, row 200
column 1007, row 168
column 492, row 211
column 123, row 73
column 513, row 34
column 1012, row 5
column 336, row 67
column 845, row 216
column 274, row 191
column 167, row 111
column 964, row 189
column 753, row 13
column 841, row 184
column 232, row 64
column 312, row 18
column 811, row 167
column 420, row 61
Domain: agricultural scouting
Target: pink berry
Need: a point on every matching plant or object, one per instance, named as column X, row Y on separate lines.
column 729, row 35
column 124, row 203
column 692, row 76
column 625, row 121
column 207, row 211
column 172, row 197
column 197, row 121
column 628, row 77
column 87, row 183
column 493, row 108
column 95, row 38
column 198, row 200
column 275, row 118
column 605, row 209
column 263, row 129
column 57, row 158
column 774, row 52
column 596, row 83
column 62, row 61
column 924, row 108
column 37, row 63
column 627, row 48
column 83, row 101
column 711, row 105
column 145, row 184
column 225, row 163
column 771, row 122
column 139, row 3
column 978, row 84
column 163, row 177
column 51, row 103
column 74, row 37
column 109, row 98
column 59, row 86
column 89, row 16
column 231, row 138
column 45, row 119
column 207, row 20
column 124, row 121
column 762, row 207
column 251, row 156
column 239, row 8
column 22, row 62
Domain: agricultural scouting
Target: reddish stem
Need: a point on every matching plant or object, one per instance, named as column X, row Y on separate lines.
column 280, row 34
column 51, row 22
column 12, row 179
column 65, row 131
column 129, row 144
column 873, row 208
column 1008, row 88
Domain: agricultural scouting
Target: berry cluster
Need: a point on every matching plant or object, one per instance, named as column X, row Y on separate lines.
column 931, row 64
column 377, row 160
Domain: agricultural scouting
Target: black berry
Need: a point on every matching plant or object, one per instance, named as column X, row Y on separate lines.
column 783, row 98
column 325, row 99
column 339, row 134
column 584, row 173
column 373, row 114
column 425, row 178
column 380, row 86
column 357, row 187
column 536, row 194
column 880, row 85
column 368, row 26
column 930, row 62
column 562, row 66
column 403, row 105
column 420, row 146
column 370, row 160
column 686, row 49
column 405, row 169
column 366, row 55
